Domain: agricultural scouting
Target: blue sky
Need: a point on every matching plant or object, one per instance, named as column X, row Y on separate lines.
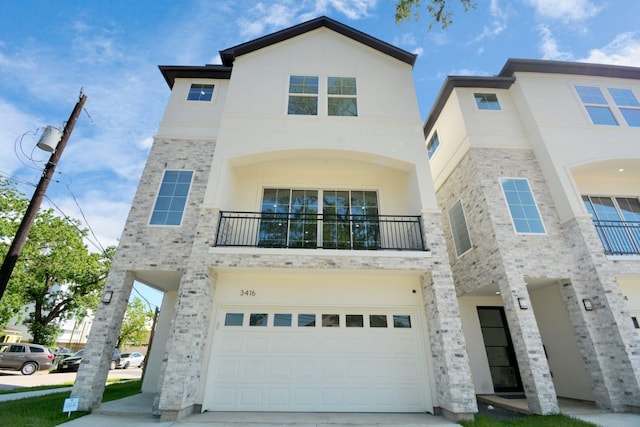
column 49, row 50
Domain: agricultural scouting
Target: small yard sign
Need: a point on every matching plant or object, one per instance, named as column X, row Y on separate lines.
column 70, row 405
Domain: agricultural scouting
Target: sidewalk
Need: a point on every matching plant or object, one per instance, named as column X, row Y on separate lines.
column 135, row 411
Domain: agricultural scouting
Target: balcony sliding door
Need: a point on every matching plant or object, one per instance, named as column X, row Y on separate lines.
column 349, row 220
column 617, row 221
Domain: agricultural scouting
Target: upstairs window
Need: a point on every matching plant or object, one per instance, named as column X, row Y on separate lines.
column 342, row 96
column 433, row 145
column 596, row 105
column 200, row 92
column 627, row 104
column 459, row 229
column 487, row 101
column 303, row 95
column 172, row 198
column 522, row 206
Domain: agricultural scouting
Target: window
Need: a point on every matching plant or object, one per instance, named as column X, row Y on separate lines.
column 433, row 145
column 354, row 320
column 401, row 321
column 330, row 321
column 487, row 101
column 596, row 105
column 461, row 239
column 303, row 95
column 233, row 319
column 282, row 319
column 289, row 218
column 258, row 319
column 200, row 92
column 522, row 206
column 306, row 320
column 172, row 198
column 617, row 221
column 627, row 104
column 342, row 96
column 378, row 320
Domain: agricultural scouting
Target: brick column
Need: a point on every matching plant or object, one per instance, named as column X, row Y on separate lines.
column 98, row 352
column 185, row 362
column 454, row 386
column 609, row 345
column 534, row 369
column 185, row 366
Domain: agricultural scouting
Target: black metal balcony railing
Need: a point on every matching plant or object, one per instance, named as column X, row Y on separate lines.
column 619, row 237
column 313, row 231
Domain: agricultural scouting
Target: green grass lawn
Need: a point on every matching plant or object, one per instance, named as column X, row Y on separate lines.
column 534, row 421
column 50, row 387
column 46, row 411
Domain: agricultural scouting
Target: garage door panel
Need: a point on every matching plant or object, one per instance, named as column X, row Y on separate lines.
column 316, row 368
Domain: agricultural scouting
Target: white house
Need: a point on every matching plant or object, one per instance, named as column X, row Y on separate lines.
column 288, row 213
column 537, row 173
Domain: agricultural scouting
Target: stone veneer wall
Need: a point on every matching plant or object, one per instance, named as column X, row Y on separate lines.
column 165, row 247
column 144, row 247
column 610, row 345
column 501, row 257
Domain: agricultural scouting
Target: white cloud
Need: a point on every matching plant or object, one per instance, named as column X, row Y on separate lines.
column 266, row 17
column 500, row 17
column 17, row 128
column 623, row 50
column 565, row 10
column 469, row 72
column 103, row 215
column 549, row 46
column 418, row 51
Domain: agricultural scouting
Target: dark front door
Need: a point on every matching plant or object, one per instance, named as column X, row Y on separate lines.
column 497, row 343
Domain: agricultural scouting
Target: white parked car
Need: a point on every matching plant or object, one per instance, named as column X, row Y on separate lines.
column 131, row 360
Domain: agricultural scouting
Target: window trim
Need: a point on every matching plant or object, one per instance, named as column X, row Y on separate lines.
column 431, row 153
column 535, row 202
column 485, row 94
column 210, row 100
column 342, row 96
column 186, row 204
column 625, row 107
column 466, row 229
column 586, row 105
column 303, row 95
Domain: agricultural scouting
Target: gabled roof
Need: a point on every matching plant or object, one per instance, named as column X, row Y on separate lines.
column 506, row 78
column 171, row 72
column 229, row 55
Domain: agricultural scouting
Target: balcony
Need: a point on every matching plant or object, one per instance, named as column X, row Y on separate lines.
column 619, row 237
column 317, row 231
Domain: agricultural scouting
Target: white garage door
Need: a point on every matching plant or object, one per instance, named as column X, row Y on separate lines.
column 348, row 360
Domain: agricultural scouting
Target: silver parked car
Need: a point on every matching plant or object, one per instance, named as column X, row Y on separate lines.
column 131, row 360
column 25, row 357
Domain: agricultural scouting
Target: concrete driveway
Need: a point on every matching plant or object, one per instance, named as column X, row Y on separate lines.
column 13, row 379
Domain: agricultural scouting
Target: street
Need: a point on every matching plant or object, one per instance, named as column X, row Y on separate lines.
column 13, row 379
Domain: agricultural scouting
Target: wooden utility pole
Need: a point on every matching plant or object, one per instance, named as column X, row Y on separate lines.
column 29, row 216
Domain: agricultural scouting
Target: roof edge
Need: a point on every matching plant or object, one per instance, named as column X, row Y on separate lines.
column 514, row 65
column 452, row 82
column 228, row 55
column 172, row 72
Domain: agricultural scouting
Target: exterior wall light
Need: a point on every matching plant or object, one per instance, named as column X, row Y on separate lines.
column 588, row 305
column 106, row 298
column 523, row 303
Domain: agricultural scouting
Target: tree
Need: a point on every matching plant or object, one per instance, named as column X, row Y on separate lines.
column 56, row 278
column 439, row 11
column 135, row 325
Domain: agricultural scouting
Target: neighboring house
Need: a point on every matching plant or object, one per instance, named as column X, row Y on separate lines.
column 537, row 173
column 74, row 332
column 287, row 211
